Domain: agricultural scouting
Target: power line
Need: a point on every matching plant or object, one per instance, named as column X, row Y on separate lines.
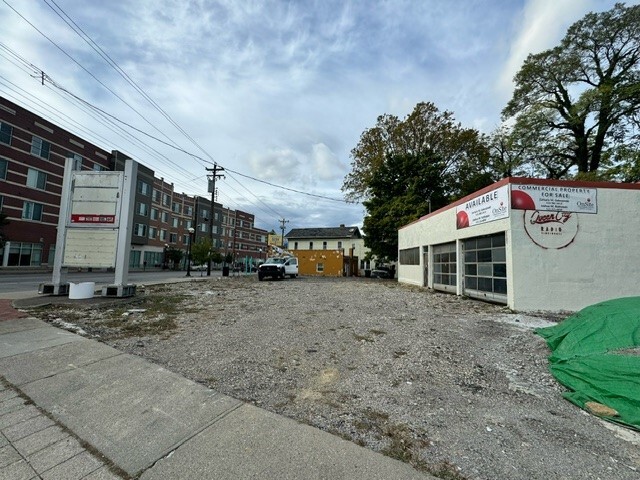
column 289, row 189
column 104, row 113
column 180, row 149
column 82, row 67
column 113, row 64
column 258, row 198
column 40, row 106
column 256, row 206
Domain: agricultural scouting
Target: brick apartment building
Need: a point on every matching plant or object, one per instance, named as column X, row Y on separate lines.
column 32, row 157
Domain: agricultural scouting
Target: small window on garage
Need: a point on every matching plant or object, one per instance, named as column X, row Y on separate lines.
column 410, row 256
column 319, row 267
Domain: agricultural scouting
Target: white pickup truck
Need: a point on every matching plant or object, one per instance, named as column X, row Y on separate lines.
column 278, row 267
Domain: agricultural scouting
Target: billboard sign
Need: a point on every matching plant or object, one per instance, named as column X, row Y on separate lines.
column 91, row 234
column 490, row 206
column 551, row 198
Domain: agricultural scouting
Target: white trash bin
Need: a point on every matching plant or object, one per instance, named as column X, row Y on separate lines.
column 82, row 290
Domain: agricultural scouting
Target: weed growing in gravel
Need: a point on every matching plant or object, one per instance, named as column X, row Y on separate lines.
column 404, row 444
column 375, row 331
column 445, row 471
column 363, row 338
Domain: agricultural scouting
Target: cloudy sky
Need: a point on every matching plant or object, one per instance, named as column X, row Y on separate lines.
column 278, row 91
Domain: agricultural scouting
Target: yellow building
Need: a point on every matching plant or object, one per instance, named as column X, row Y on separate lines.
column 331, row 251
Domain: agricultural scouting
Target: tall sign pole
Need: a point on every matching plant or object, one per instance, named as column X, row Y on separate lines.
column 212, row 185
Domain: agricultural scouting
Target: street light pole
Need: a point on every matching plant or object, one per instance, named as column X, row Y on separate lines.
column 165, row 263
column 191, row 230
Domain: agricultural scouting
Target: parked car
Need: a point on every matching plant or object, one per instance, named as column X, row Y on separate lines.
column 383, row 271
column 278, row 267
column 199, row 268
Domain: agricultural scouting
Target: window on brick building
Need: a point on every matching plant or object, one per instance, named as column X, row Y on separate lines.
column 77, row 160
column 140, row 229
column 32, row 211
column 6, row 131
column 142, row 209
column 144, row 188
column 4, row 164
column 40, row 148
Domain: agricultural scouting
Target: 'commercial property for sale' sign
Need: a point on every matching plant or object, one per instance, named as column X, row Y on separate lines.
column 550, row 198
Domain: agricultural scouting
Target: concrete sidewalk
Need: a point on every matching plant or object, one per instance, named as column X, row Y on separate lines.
column 74, row 408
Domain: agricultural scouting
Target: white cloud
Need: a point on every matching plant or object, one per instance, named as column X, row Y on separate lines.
column 278, row 165
column 326, row 163
column 540, row 26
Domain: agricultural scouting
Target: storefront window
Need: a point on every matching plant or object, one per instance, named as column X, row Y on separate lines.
column 24, row 254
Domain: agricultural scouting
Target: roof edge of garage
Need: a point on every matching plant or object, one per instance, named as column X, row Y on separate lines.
column 529, row 181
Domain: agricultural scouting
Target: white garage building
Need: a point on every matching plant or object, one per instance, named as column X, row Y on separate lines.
column 532, row 244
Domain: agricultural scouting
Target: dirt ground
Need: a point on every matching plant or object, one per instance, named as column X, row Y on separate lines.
column 455, row 387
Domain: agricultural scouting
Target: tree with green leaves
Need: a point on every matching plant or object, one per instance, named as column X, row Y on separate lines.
column 506, row 154
column 174, row 255
column 576, row 104
column 201, row 252
column 402, row 169
column 217, row 257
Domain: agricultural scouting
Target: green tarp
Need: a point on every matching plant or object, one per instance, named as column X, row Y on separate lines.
column 593, row 356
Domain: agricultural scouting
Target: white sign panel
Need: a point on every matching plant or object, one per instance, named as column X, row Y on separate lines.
column 484, row 208
column 90, row 248
column 554, row 198
column 95, row 199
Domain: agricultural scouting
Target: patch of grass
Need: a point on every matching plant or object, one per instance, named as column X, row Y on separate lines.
column 404, row 444
column 338, row 433
column 376, row 416
column 209, row 381
column 446, row 471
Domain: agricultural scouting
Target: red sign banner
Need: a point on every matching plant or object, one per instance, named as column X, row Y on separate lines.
column 87, row 218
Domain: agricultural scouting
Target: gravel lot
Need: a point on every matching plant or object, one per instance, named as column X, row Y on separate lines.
column 457, row 388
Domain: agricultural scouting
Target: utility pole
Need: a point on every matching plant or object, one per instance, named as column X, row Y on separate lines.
column 214, row 175
column 283, row 222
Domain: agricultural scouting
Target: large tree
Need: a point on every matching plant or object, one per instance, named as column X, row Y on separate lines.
column 576, row 103
column 403, row 188
column 506, row 154
column 401, row 169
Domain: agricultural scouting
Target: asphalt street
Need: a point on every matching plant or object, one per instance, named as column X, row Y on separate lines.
column 20, row 284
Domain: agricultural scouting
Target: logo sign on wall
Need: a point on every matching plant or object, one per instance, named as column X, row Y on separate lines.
column 551, row 230
column 554, row 198
column 484, row 208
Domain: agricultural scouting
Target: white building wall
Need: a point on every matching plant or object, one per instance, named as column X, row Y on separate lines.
column 602, row 262
column 434, row 229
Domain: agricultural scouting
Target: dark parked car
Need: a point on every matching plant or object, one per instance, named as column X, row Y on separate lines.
column 383, row 272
